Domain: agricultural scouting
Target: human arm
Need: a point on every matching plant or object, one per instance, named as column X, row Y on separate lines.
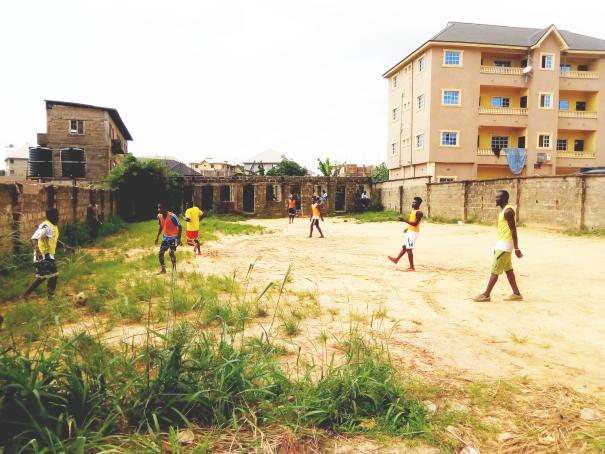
column 509, row 215
column 65, row 246
column 36, row 249
column 180, row 231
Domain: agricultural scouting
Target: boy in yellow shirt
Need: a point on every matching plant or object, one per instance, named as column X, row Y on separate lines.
column 315, row 217
column 193, row 216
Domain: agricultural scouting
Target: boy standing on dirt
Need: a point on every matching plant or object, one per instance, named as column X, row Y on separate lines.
column 411, row 234
column 171, row 229
column 315, row 217
column 507, row 241
column 45, row 240
column 193, row 216
column 291, row 209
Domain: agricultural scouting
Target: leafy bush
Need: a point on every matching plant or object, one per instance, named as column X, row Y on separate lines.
column 287, row 167
column 380, row 173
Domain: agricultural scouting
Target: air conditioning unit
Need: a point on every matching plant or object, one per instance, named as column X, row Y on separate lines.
column 542, row 157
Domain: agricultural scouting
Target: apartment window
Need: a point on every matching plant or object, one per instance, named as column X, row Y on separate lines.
column 11, row 161
column 547, row 61
column 446, row 179
column 226, row 194
column 76, row 126
column 451, row 97
column 503, row 63
column 580, row 106
column 498, row 101
column 565, row 67
column 395, row 110
column 449, row 138
column 578, row 145
column 561, row 144
column 582, row 67
column 394, row 148
column 395, row 81
column 544, row 141
column 563, row 104
column 499, row 142
column 420, row 141
column 546, row 100
column 12, row 172
column 420, row 102
column 421, row 64
column 452, row 58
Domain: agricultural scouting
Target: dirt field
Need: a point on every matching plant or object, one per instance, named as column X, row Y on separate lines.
column 555, row 336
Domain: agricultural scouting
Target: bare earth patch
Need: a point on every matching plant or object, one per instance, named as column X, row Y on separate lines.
column 554, row 337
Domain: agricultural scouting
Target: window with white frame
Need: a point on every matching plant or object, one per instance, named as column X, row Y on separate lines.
column 449, row 138
column 395, row 81
column 452, row 58
column 544, row 141
column 563, row 104
column 421, row 64
column 419, row 140
column 499, row 101
column 394, row 113
column 546, row 100
column 394, row 148
column 499, row 142
column 76, row 127
column 420, row 102
column 547, row 61
column 565, row 67
column 561, row 144
column 451, row 97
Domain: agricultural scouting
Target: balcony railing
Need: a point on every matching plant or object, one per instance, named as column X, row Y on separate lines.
column 501, row 70
column 579, row 74
column 487, row 152
column 502, row 111
column 576, row 154
column 577, row 114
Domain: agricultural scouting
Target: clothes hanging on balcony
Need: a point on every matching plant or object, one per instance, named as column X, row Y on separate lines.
column 516, row 158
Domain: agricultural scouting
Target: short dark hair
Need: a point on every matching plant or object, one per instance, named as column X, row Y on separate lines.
column 505, row 195
column 418, row 199
column 52, row 214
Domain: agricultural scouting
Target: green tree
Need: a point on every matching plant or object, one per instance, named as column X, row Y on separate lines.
column 261, row 169
column 325, row 170
column 380, row 173
column 287, row 167
column 142, row 184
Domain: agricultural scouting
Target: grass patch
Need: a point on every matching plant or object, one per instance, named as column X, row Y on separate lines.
column 372, row 216
column 585, row 232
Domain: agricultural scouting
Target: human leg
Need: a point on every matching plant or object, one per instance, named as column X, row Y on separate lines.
column 33, row 286
column 510, row 274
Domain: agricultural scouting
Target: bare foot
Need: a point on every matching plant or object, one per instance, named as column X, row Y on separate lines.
column 322, row 236
column 163, row 271
column 393, row 259
column 408, row 270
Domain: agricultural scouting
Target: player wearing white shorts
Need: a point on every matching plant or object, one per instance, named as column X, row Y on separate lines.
column 411, row 234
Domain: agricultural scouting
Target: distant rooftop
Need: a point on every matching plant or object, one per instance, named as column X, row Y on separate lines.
column 269, row 156
column 21, row 152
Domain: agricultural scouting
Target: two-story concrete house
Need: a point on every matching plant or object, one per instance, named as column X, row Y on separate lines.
column 99, row 131
column 472, row 91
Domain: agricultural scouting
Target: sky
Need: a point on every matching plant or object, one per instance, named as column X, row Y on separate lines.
column 228, row 79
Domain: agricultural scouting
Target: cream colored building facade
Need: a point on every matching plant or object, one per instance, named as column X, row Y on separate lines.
column 472, row 91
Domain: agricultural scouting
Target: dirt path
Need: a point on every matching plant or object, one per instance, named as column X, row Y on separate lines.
column 556, row 336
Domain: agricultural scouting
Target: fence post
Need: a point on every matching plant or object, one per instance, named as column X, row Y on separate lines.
column 428, row 197
column 400, row 199
column 465, row 201
column 74, row 203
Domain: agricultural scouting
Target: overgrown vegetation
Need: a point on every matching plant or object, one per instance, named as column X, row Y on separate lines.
column 585, row 232
column 142, row 183
column 380, row 173
column 287, row 167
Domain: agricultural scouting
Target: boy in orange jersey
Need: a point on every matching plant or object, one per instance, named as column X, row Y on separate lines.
column 170, row 228
column 315, row 217
column 291, row 209
column 411, row 234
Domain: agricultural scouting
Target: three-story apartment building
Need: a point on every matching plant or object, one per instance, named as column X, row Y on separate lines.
column 472, row 91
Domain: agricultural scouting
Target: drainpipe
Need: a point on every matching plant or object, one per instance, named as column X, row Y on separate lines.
column 412, row 136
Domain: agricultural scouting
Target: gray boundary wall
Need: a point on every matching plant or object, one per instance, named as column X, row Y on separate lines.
column 559, row 201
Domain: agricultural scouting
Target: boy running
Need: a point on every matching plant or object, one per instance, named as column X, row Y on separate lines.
column 45, row 240
column 291, row 209
column 507, row 241
column 411, row 234
column 315, row 217
column 171, row 229
column 193, row 216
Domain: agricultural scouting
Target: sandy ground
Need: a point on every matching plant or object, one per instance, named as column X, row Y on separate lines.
column 556, row 336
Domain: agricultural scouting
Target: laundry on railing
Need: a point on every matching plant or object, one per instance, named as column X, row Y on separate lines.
column 516, row 158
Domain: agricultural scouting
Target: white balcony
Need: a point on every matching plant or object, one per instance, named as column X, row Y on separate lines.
column 577, row 154
column 501, row 70
column 502, row 111
column 487, row 152
column 577, row 114
column 579, row 74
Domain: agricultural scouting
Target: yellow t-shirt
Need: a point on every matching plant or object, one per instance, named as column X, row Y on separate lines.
column 193, row 214
column 315, row 210
column 413, row 228
column 504, row 233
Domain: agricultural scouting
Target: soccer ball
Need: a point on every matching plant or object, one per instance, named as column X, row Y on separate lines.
column 80, row 299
